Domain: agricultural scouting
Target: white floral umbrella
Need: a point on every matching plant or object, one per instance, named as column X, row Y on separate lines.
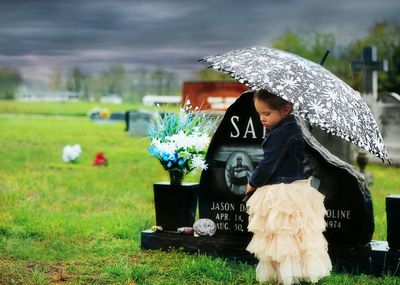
column 318, row 96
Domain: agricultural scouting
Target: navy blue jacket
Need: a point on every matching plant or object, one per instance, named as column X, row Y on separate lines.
column 283, row 157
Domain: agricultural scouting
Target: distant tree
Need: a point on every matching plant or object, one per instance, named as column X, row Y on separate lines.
column 115, row 80
column 140, row 81
column 55, row 81
column 77, row 81
column 10, row 79
column 310, row 45
column 393, row 75
column 171, row 83
column 163, row 82
column 208, row 74
column 158, row 81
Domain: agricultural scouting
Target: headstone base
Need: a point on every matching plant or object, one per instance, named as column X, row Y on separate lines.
column 373, row 259
column 218, row 246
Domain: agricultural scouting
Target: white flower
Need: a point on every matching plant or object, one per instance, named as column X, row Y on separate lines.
column 71, row 152
column 166, row 147
column 181, row 140
column 201, row 141
column 199, row 162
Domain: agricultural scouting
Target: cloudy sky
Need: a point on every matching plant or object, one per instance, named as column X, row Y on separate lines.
column 37, row 36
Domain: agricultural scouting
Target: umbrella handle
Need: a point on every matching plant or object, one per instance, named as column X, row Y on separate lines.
column 324, row 57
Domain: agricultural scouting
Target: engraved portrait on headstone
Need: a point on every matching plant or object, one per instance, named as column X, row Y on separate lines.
column 238, row 169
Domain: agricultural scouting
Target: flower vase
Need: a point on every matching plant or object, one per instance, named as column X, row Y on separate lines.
column 175, row 205
column 175, row 177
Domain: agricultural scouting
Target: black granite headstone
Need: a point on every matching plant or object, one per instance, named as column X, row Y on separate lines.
column 236, row 149
column 393, row 221
column 349, row 213
column 232, row 155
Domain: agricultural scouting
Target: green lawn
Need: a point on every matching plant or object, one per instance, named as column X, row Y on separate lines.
column 63, row 223
column 66, row 109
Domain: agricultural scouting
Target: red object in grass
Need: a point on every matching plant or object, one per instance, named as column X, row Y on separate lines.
column 100, row 159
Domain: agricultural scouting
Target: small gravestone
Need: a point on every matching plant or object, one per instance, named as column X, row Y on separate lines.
column 389, row 123
column 113, row 117
column 138, row 122
column 234, row 152
column 393, row 221
column 117, row 116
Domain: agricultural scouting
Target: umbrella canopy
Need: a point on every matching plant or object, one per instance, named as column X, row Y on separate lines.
column 317, row 95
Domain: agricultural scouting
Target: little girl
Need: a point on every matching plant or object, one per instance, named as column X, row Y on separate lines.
column 286, row 215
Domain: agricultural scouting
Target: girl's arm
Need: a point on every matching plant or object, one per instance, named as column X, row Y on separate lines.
column 274, row 150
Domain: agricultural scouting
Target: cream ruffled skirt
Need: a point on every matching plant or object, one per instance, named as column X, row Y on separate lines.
column 287, row 221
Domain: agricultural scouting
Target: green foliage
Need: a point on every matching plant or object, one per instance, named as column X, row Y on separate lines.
column 67, row 109
column 10, row 79
column 163, row 82
column 208, row 74
column 312, row 45
column 78, row 82
column 386, row 37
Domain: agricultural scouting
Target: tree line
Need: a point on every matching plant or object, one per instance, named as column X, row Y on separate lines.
column 385, row 36
column 132, row 86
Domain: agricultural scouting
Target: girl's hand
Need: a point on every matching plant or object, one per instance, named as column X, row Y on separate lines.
column 249, row 189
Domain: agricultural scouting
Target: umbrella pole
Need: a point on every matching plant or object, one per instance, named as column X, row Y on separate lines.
column 324, row 57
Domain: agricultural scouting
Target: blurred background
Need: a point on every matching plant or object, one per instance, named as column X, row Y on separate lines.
column 124, row 50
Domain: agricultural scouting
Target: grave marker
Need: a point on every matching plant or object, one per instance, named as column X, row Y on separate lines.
column 138, row 122
column 388, row 117
column 370, row 65
column 216, row 96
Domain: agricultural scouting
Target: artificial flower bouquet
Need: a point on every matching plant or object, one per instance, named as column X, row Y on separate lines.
column 180, row 141
column 100, row 159
column 101, row 113
column 71, row 153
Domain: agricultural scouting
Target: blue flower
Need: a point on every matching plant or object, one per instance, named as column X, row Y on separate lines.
column 173, row 157
column 164, row 156
column 153, row 151
column 181, row 161
column 169, row 164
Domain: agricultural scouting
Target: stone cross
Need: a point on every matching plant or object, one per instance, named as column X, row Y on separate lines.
column 370, row 66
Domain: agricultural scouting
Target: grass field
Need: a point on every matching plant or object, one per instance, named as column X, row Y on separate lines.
column 63, row 223
column 65, row 109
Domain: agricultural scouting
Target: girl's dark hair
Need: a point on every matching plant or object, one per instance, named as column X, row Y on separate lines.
column 274, row 101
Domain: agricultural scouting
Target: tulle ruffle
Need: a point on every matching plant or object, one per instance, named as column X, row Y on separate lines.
column 287, row 221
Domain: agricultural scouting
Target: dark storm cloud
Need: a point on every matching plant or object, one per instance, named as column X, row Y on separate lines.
column 36, row 36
